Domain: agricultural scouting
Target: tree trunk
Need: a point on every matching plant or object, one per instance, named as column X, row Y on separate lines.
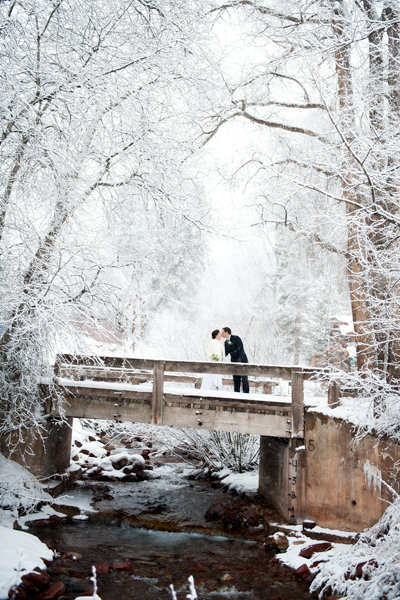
column 359, row 301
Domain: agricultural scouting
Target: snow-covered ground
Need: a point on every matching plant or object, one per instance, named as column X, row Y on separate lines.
column 20, row 553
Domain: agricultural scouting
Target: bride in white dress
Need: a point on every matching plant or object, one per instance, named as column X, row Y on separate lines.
column 215, row 352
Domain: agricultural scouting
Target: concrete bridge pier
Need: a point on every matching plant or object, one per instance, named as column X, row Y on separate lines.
column 332, row 477
column 281, row 465
column 44, row 452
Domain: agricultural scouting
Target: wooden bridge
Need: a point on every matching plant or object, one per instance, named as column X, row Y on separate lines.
column 306, row 470
column 142, row 390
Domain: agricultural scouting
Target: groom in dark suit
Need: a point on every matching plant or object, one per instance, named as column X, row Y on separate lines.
column 234, row 347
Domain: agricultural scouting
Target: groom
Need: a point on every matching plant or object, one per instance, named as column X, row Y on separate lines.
column 234, row 347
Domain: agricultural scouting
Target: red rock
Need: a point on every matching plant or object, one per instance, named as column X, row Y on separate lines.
column 249, row 516
column 85, row 451
column 109, row 447
column 103, row 569
column 277, row 543
column 54, row 591
column 120, row 463
column 137, row 468
column 41, row 523
column 310, row 550
column 122, row 566
column 316, row 563
column 142, row 476
column 92, row 438
column 104, row 476
column 47, row 562
column 78, row 444
column 215, row 511
column 56, row 520
column 94, row 473
column 19, row 593
column 76, row 574
column 38, row 580
column 63, row 563
column 304, row 573
column 145, row 453
column 358, row 572
column 359, row 568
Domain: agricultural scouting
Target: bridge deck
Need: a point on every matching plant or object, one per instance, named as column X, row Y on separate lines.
column 257, row 413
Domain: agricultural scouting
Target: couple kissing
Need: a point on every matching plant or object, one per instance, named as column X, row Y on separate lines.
column 223, row 344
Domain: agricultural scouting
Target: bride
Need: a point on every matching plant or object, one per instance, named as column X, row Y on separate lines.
column 213, row 381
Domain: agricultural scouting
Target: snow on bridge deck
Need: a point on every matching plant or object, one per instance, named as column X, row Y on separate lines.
column 180, row 389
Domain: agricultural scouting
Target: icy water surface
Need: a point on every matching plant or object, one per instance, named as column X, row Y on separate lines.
column 152, row 560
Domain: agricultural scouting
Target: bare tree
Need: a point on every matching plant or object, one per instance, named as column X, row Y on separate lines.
column 94, row 125
column 338, row 63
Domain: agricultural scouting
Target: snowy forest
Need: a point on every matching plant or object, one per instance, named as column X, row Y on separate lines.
column 169, row 167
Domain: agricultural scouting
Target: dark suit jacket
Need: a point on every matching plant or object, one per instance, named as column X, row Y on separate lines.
column 234, row 347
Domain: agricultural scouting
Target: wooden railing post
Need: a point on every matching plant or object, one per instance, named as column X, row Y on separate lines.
column 157, row 398
column 333, row 394
column 298, row 403
column 57, row 366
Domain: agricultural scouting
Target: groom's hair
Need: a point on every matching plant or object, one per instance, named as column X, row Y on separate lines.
column 214, row 333
column 227, row 329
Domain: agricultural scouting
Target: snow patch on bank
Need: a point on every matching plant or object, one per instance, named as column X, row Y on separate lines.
column 299, row 542
column 240, row 482
column 20, row 553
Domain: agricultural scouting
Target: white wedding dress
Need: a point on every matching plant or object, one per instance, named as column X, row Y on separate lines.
column 215, row 353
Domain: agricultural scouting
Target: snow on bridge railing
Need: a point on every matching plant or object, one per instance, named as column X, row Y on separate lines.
column 295, row 373
column 187, row 366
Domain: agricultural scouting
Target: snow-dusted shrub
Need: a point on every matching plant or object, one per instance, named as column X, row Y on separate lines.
column 376, row 403
column 216, row 450
column 118, row 431
column 379, row 549
column 20, row 491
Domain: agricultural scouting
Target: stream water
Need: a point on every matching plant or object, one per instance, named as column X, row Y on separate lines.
column 147, row 562
column 146, row 535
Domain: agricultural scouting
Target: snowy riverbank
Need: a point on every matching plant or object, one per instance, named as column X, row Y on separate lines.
column 354, row 572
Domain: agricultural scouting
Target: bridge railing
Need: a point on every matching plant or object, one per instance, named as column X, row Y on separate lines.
column 295, row 374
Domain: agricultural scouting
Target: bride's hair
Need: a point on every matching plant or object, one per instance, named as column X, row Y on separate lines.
column 214, row 333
